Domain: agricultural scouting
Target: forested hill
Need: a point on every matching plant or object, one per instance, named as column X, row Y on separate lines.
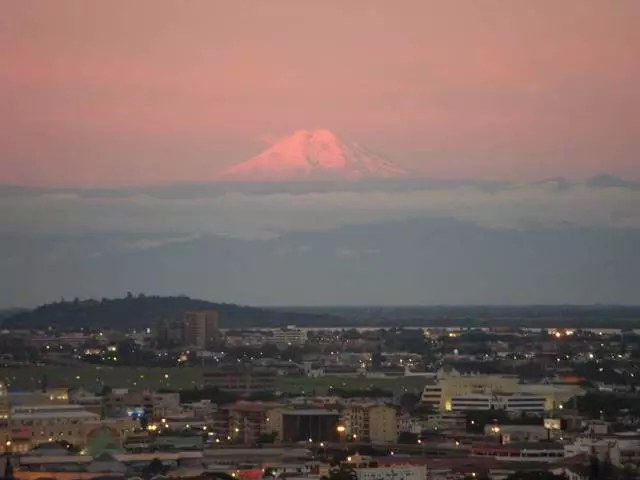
column 142, row 311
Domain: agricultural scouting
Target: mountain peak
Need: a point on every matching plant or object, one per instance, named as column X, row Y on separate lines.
column 313, row 155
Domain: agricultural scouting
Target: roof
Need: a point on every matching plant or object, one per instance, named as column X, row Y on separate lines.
column 31, row 416
column 311, row 412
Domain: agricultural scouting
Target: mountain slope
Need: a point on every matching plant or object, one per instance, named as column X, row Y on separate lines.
column 144, row 311
column 313, row 155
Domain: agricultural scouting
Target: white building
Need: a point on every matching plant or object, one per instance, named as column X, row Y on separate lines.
column 401, row 472
column 513, row 403
column 289, row 336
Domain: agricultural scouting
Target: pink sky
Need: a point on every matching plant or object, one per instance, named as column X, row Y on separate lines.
column 97, row 92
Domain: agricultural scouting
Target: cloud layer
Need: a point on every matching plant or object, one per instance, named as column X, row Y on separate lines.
column 255, row 215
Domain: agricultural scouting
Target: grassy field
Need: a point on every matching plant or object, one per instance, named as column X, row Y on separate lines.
column 321, row 385
column 95, row 377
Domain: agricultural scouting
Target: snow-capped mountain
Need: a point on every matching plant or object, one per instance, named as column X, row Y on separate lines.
column 313, row 155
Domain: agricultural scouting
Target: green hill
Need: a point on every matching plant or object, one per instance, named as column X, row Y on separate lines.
column 136, row 312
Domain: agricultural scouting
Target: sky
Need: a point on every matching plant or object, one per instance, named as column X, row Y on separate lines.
column 101, row 93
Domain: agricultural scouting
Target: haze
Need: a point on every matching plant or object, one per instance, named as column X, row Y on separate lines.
column 490, row 150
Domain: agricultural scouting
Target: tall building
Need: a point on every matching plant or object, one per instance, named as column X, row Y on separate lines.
column 201, row 328
column 169, row 333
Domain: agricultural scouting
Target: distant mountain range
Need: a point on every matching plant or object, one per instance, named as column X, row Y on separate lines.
column 393, row 241
column 412, row 262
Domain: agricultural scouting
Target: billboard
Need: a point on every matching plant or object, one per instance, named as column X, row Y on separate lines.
column 552, row 424
column 135, row 412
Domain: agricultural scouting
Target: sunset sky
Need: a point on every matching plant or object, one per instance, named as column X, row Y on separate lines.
column 104, row 93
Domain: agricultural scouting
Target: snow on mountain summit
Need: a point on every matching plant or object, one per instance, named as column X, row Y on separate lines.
column 315, row 154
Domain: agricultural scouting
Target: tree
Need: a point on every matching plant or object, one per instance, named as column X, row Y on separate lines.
column 343, row 472
column 407, row 438
column 154, row 468
column 408, row 401
column 535, row 475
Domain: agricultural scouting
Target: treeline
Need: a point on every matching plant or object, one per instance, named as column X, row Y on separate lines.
column 141, row 311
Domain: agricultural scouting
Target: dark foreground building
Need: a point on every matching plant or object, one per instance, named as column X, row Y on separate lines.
column 314, row 425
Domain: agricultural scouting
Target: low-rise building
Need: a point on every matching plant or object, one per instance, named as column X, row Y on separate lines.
column 288, row 336
column 156, row 405
column 242, row 380
column 400, row 472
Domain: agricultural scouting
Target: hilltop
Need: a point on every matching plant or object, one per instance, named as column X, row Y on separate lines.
column 137, row 312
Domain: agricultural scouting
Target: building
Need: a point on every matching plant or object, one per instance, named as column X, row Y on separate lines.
column 88, row 400
column 121, row 402
column 521, row 433
column 249, row 422
column 450, row 383
column 289, row 336
column 5, row 414
column 315, row 425
column 33, row 425
column 445, row 421
column 201, row 328
column 400, row 472
column 371, row 422
column 242, row 380
column 513, row 403
column 519, row 452
column 522, row 402
column 169, row 333
column 432, row 395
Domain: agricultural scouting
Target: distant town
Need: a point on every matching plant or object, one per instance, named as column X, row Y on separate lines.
column 169, row 390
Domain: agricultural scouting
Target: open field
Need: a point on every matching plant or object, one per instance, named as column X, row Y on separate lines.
column 180, row 378
column 95, row 377
column 321, row 385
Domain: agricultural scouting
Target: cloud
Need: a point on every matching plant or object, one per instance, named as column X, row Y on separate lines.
column 150, row 243
column 256, row 215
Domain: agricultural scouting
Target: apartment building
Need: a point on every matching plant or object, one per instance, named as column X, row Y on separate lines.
column 201, row 328
column 371, row 422
column 248, row 422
